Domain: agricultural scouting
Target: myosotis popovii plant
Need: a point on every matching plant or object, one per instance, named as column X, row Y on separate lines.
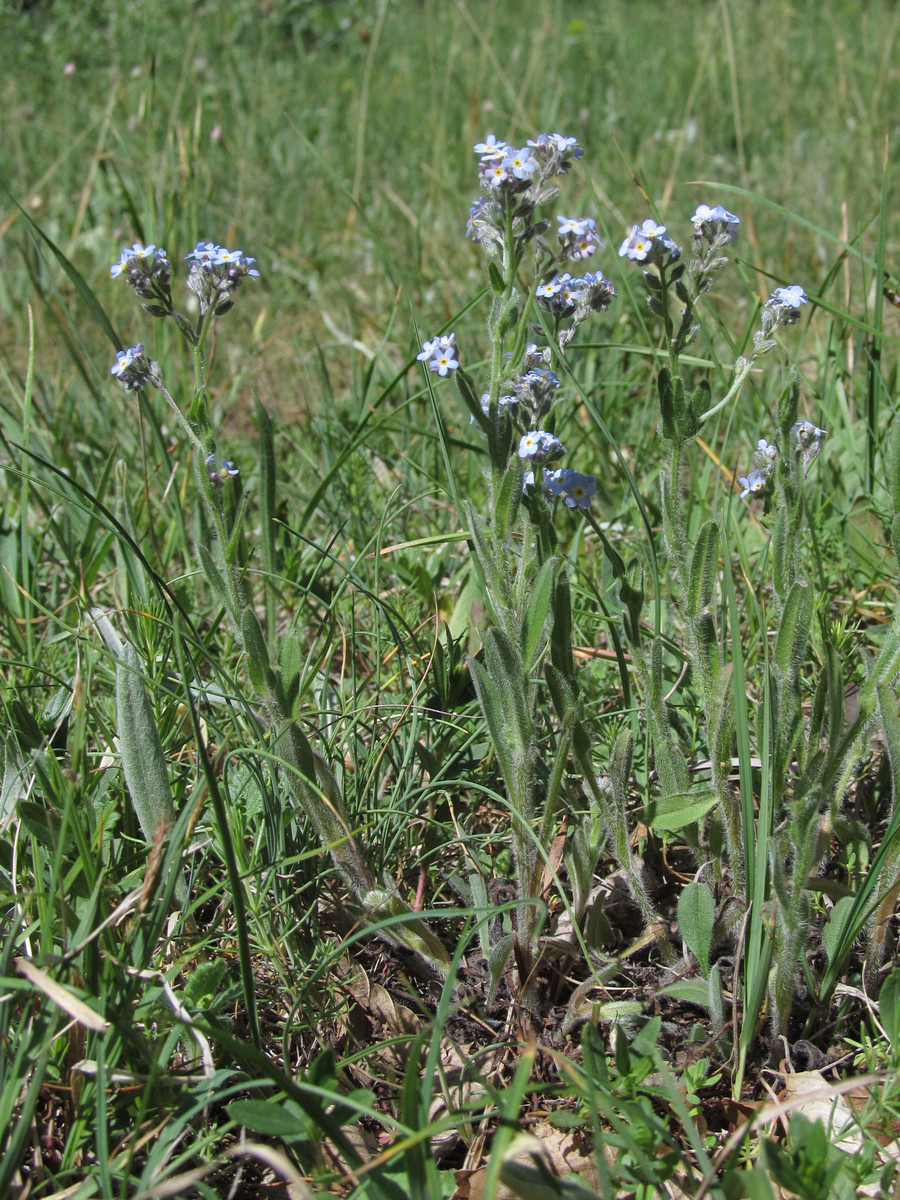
column 526, row 680
column 214, row 277
column 807, row 762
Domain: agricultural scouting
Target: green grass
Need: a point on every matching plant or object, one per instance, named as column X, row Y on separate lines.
column 332, row 141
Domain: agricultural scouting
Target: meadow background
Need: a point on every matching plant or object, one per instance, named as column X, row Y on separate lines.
column 333, row 143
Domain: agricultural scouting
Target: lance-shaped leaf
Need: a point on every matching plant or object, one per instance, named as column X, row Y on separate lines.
column 213, row 575
column 700, row 402
column 669, row 409
column 561, row 633
column 536, row 613
column 143, row 758
column 696, row 915
column 508, row 499
column 704, row 571
column 793, row 634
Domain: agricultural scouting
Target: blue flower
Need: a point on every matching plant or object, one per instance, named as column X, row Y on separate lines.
column 753, row 484
column 716, row 222
column 124, row 359
column 137, row 251
column 133, row 369
column 519, row 162
column 495, row 173
column 792, row 296
column 647, row 241
column 220, row 475
column 538, row 446
column 576, row 226
column 443, row 362
column 437, row 347
column 566, row 145
column 206, row 253
column 490, row 148
column 551, row 288
column 636, row 245
column 578, row 490
column 555, row 481
column 570, row 289
column 477, row 213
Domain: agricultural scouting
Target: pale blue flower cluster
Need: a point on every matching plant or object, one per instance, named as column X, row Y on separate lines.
column 809, row 441
column 648, row 242
column 133, row 369
column 218, row 475
column 216, row 273
column 537, row 445
column 147, row 270
column 521, row 176
column 715, row 224
column 210, row 256
column 757, row 482
column 137, row 257
column 575, row 489
column 439, row 354
column 565, row 295
column 512, row 168
column 577, row 237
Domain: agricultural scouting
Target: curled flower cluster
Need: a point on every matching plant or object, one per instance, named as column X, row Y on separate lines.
column 808, row 439
column 218, row 475
column 216, row 273
column 576, row 490
column 439, row 355
column 534, row 391
column 782, row 308
column 648, row 243
column 518, row 179
column 714, row 229
column 757, row 482
column 539, row 446
column 147, row 270
column 714, row 225
column 577, row 237
column 134, row 369
column 562, row 293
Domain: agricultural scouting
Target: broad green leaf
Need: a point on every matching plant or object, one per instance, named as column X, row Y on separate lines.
column 536, row 613
column 704, row 570
column 696, row 916
column 561, row 631
column 671, row 813
column 269, row 1117
column 834, row 928
column 692, row 991
column 667, row 411
column 213, row 574
column 503, row 661
column 793, row 633
column 492, row 708
column 889, row 1008
column 143, row 759
column 508, row 497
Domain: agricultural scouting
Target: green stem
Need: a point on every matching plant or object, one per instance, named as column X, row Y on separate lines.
column 743, row 367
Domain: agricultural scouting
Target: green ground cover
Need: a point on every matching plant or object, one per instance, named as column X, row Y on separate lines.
column 374, row 821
